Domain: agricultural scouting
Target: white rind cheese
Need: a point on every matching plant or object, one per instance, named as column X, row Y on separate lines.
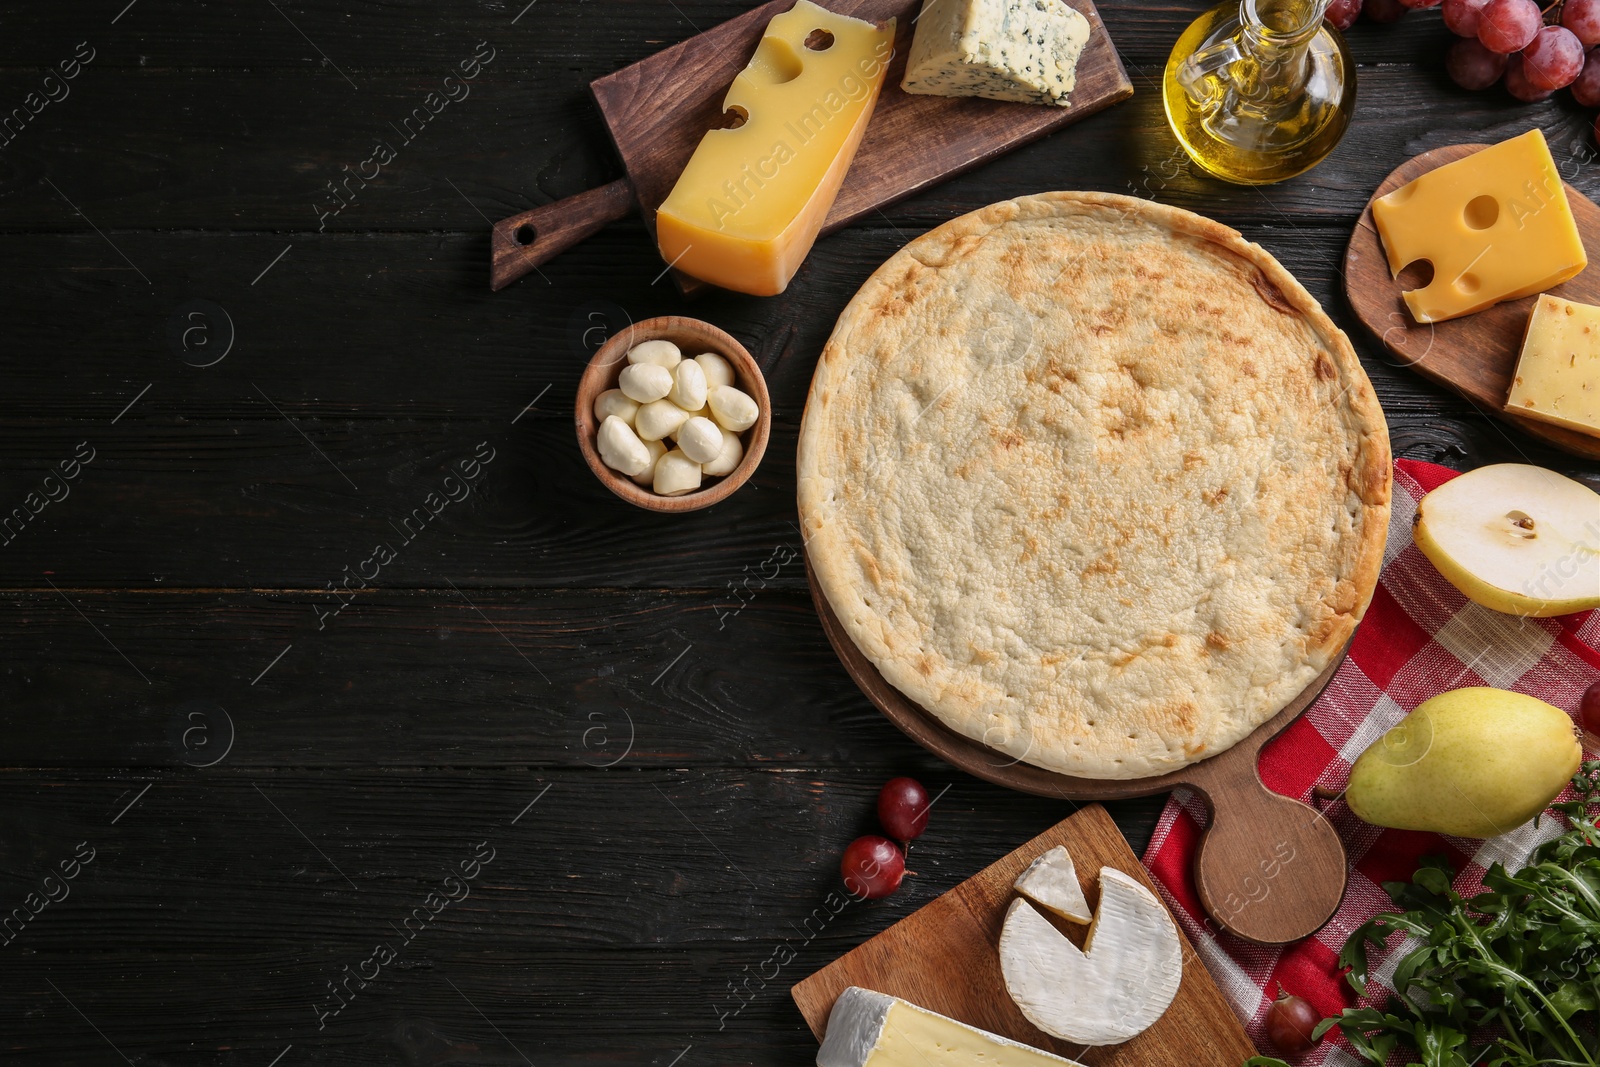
column 1051, row 881
column 1120, row 983
column 868, row 1029
column 1019, row 50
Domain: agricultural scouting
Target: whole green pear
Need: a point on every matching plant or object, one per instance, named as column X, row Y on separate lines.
column 1474, row 762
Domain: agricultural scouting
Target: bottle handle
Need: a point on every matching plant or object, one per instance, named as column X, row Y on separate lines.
column 1207, row 62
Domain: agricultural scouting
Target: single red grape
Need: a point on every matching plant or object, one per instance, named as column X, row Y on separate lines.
column 903, row 808
column 1383, row 10
column 1290, row 1021
column 872, row 867
column 1586, row 90
column 1507, row 26
column 1517, row 83
column 1473, row 66
column 1589, row 707
column 1554, row 59
column 1461, row 16
column 1342, row 14
column 1582, row 17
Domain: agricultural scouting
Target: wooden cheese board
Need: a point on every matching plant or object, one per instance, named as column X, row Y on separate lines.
column 944, row 957
column 1270, row 869
column 1474, row 355
column 658, row 109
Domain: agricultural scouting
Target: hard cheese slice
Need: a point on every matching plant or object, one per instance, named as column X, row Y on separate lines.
column 1020, row 50
column 1558, row 374
column 867, row 1029
column 749, row 205
column 1495, row 225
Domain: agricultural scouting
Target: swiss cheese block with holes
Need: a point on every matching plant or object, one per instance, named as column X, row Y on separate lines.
column 1495, row 226
column 754, row 195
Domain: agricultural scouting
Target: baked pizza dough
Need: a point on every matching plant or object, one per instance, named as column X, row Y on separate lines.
column 1094, row 481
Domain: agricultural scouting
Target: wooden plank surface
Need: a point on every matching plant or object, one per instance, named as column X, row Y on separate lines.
column 946, row 958
column 186, row 163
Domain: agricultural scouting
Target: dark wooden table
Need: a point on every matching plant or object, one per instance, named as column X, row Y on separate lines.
column 545, row 779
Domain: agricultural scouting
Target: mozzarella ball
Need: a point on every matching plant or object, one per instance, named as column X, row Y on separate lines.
column 645, row 382
column 732, row 408
column 700, row 439
column 676, row 474
column 647, row 476
column 731, row 456
column 688, row 386
column 661, row 353
column 717, row 370
column 615, row 402
column 620, row 447
column 658, row 419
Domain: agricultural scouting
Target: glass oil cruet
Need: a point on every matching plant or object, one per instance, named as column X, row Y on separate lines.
column 1260, row 90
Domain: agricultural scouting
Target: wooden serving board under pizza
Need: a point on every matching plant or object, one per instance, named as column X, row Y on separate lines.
column 1476, row 354
column 658, row 109
column 944, row 957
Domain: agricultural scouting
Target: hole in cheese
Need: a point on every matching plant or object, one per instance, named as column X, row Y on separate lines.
column 1481, row 212
column 819, row 40
column 774, row 63
column 733, row 118
column 1417, row 275
column 1468, row 282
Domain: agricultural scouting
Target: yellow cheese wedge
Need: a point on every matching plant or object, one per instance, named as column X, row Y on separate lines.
column 748, row 207
column 1495, row 225
column 1558, row 374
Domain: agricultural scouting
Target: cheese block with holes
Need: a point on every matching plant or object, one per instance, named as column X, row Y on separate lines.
column 753, row 197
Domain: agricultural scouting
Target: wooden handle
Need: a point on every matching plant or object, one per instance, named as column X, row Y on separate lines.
column 1271, row 869
column 522, row 242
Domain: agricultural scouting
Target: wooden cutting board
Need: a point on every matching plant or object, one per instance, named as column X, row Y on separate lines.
column 1474, row 355
column 658, row 109
column 945, row 957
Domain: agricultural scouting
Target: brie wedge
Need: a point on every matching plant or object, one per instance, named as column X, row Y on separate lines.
column 1114, row 988
column 867, row 1029
column 1051, row 882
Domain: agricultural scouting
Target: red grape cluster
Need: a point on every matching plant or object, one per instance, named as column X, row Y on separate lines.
column 873, row 866
column 1507, row 40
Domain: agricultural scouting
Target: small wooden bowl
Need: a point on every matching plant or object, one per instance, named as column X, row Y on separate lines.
column 694, row 337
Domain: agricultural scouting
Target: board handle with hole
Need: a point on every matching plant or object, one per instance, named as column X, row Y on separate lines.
column 522, row 242
column 1270, row 869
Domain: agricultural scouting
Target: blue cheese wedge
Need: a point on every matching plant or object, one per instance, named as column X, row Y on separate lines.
column 1024, row 51
column 868, row 1029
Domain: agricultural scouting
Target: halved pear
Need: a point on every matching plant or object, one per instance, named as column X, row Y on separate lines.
column 1515, row 538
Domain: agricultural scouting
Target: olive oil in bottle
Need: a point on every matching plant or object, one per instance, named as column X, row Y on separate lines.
column 1260, row 90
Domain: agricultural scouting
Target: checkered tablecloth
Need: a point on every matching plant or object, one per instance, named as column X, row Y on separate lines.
column 1419, row 638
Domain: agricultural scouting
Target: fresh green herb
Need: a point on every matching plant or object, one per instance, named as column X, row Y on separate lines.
column 1509, row 978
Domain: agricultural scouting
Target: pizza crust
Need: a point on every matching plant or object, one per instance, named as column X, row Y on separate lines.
column 1094, row 481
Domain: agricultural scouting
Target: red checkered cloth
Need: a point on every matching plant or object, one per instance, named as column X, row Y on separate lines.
column 1420, row 637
